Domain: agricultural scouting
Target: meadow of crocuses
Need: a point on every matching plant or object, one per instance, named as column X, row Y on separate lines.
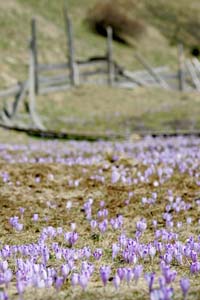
column 103, row 220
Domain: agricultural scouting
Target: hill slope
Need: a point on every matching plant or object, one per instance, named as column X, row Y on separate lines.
column 166, row 23
column 161, row 26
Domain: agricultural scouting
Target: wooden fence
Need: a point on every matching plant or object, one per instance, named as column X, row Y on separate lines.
column 102, row 70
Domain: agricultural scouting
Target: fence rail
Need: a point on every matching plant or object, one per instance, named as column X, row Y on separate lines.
column 11, row 91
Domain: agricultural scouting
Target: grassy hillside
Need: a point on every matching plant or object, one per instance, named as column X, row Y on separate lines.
column 162, row 27
column 166, row 23
column 120, row 110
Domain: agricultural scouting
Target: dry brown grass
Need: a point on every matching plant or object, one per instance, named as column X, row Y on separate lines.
column 34, row 196
column 105, row 14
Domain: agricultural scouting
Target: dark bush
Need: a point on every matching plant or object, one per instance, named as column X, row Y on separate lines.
column 195, row 51
column 106, row 14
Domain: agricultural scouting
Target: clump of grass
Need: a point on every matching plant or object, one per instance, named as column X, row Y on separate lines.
column 106, row 14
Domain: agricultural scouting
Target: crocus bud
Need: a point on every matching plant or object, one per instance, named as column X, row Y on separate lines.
column 115, row 176
column 116, row 281
column 105, row 273
column 185, row 285
column 83, row 281
column 35, row 217
column 74, row 279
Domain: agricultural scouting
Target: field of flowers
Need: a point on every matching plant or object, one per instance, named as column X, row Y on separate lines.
column 103, row 220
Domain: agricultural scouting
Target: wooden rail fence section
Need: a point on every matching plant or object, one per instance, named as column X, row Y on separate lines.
column 103, row 70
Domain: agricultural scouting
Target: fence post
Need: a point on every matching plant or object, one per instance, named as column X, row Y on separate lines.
column 19, row 98
column 181, row 68
column 32, row 78
column 111, row 71
column 35, row 53
column 74, row 72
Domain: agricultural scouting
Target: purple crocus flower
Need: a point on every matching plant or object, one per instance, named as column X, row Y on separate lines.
column 115, row 176
column 185, row 285
column 129, row 275
column 19, row 226
column 72, row 238
column 59, row 230
column 150, row 280
column 65, row 270
column 105, row 274
column 194, row 256
column 7, row 276
column 168, row 258
column 154, row 223
column 69, row 205
column 151, row 251
column 156, row 295
column 189, row 220
column 14, row 220
column 195, row 267
column 73, row 226
column 59, row 282
column 121, row 273
column 141, row 225
column 35, row 217
column 103, row 226
column 102, row 203
column 3, row 295
column 105, row 212
column 83, row 280
column 37, row 179
column 93, row 224
column 100, row 214
column 115, row 250
column 97, row 253
column 87, row 268
column 116, row 281
column 168, row 274
column 164, row 293
column 137, row 272
column 4, row 265
column 21, row 210
column 74, row 279
column 20, row 285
